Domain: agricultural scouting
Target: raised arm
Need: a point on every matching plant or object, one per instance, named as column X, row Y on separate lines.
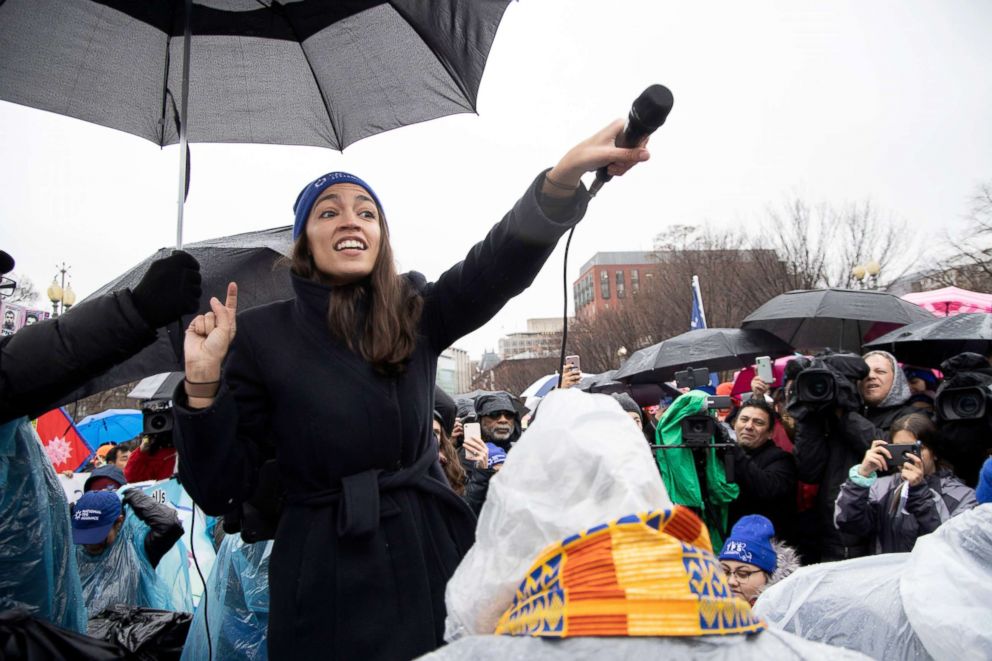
column 511, row 255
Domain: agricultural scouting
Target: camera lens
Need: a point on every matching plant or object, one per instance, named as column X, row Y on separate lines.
column 966, row 405
column 697, row 426
column 157, row 422
column 818, row 387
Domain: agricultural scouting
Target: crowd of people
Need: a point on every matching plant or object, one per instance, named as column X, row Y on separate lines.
column 313, row 428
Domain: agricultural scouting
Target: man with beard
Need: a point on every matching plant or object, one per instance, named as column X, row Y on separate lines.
column 765, row 473
column 500, row 425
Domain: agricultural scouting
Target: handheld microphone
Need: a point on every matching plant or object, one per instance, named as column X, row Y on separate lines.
column 649, row 111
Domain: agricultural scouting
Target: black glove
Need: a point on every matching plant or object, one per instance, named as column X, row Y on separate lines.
column 170, row 289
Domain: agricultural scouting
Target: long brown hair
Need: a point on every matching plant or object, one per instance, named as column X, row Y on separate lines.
column 387, row 336
column 452, row 465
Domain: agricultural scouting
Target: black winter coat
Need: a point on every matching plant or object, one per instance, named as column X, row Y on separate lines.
column 41, row 363
column 767, row 479
column 370, row 532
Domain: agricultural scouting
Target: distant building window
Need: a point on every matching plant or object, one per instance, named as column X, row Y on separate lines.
column 620, row 285
column 604, row 284
column 635, row 281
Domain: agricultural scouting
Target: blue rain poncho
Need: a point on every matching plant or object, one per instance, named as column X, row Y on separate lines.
column 122, row 573
column 37, row 561
column 237, row 604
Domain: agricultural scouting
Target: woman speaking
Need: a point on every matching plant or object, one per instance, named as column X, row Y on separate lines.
column 340, row 381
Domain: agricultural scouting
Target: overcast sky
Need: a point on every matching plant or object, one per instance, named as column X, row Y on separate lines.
column 837, row 102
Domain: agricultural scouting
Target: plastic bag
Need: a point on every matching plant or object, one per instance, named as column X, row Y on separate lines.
column 150, row 634
column 122, row 573
column 580, row 463
column 237, row 604
column 854, row 604
column 946, row 587
column 37, row 559
column 23, row 636
column 767, row 645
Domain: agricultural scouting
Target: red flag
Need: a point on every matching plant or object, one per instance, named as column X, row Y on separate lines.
column 63, row 444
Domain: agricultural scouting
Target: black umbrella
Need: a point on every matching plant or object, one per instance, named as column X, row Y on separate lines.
column 929, row 343
column 835, row 318
column 305, row 72
column 712, row 348
column 250, row 259
column 602, row 382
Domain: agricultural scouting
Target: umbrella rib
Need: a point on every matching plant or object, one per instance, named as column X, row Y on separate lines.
column 447, row 67
column 316, row 81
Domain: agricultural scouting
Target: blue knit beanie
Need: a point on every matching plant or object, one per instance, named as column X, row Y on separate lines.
column 497, row 455
column 984, row 491
column 307, row 197
column 750, row 542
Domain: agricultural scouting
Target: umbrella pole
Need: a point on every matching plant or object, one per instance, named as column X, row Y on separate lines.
column 183, row 144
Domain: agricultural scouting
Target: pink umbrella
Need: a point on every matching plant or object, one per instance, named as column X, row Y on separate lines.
column 950, row 301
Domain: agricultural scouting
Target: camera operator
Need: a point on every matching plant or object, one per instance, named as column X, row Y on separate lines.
column 694, row 470
column 964, row 413
column 765, row 473
column 835, row 427
column 155, row 458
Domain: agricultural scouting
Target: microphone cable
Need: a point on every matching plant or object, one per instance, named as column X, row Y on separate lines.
column 564, row 313
column 203, row 597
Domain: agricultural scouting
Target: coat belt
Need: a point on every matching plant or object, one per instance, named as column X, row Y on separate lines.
column 358, row 495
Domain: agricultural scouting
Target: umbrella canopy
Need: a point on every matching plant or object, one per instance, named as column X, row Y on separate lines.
column 712, row 348
column 110, row 426
column 951, row 300
column 836, row 318
column 929, row 343
column 250, row 259
column 305, row 72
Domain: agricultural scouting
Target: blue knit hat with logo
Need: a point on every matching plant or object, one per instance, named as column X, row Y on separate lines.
column 307, row 197
column 750, row 541
column 497, row 455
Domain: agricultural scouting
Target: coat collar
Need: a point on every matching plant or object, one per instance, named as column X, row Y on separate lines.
column 313, row 298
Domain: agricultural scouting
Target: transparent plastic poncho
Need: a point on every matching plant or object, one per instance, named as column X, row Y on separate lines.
column 37, row 558
column 581, row 462
column 236, row 605
column 935, row 602
column 122, row 572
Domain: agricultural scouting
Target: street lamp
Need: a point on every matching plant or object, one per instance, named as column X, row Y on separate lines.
column 867, row 274
column 60, row 293
column 622, row 355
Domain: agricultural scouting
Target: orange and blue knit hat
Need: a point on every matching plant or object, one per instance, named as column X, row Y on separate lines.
column 649, row 574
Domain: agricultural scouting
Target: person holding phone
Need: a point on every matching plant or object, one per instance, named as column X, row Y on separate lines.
column 918, row 494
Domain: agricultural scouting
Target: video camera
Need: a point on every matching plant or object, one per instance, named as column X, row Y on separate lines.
column 157, row 422
column 702, row 429
column 964, row 403
column 828, row 379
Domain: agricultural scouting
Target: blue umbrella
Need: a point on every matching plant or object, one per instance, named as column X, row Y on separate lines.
column 110, row 426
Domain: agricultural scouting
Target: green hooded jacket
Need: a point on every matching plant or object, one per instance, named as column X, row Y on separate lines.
column 678, row 469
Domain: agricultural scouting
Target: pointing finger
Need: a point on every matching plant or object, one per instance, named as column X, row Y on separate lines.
column 232, row 297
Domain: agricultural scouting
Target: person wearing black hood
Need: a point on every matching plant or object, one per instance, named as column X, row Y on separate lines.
column 500, row 425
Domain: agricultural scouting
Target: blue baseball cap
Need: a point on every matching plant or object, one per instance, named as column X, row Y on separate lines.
column 94, row 515
column 305, row 200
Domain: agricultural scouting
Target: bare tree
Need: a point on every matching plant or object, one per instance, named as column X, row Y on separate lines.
column 970, row 265
column 26, row 293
